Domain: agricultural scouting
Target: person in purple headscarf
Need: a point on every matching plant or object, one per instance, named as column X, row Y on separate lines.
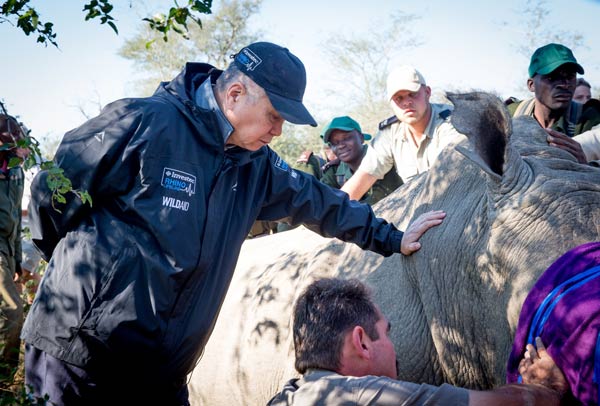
column 563, row 308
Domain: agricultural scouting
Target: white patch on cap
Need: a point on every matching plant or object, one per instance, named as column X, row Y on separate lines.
column 249, row 59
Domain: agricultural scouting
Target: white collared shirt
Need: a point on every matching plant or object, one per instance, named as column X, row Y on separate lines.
column 393, row 146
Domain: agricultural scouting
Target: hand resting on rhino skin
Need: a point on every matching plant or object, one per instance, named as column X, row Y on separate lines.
column 416, row 229
column 566, row 143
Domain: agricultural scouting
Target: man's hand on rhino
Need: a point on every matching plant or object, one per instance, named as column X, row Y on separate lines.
column 537, row 367
column 564, row 142
column 415, row 230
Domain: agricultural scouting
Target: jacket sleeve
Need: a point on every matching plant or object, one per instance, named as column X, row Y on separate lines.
column 305, row 200
column 93, row 157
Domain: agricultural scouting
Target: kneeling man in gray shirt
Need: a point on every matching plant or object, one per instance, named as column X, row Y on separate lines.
column 346, row 357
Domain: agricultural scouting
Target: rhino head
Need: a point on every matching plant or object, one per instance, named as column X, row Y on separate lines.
column 513, row 204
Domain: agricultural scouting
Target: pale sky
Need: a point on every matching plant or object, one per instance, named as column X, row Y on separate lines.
column 466, row 46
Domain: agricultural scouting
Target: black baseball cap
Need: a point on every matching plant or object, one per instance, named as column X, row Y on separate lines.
column 281, row 74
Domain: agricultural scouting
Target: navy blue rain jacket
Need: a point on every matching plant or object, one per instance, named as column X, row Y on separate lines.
column 137, row 280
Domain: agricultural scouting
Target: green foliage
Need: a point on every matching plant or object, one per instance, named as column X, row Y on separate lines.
column 57, row 182
column 28, row 20
column 102, row 9
column 26, row 17
column 60, row 185
column 177, row 17
column 18, row 395
column 223, row 33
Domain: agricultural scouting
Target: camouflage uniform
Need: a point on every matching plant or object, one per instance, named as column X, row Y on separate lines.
column 309, row 163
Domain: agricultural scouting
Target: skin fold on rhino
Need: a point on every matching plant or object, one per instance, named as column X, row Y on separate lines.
column 513, row 204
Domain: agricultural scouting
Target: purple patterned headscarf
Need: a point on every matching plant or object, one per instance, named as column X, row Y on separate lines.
column 563, row 308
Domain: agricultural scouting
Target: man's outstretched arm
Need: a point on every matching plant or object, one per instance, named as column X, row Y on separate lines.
column 358, row 184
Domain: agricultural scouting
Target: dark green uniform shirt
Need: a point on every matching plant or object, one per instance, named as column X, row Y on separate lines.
column 309, row 163
column 337, row 174
column 577, row 118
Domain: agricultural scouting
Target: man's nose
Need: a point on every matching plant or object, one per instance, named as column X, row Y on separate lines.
column 277, row 128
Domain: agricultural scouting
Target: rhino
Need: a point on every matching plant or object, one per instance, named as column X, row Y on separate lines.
column 514, row 204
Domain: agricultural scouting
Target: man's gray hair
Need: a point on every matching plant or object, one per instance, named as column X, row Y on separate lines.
column 233, row 74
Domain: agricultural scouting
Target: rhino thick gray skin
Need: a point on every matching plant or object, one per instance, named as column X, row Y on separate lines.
column 513, row 204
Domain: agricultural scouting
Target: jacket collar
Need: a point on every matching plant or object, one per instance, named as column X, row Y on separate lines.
column 194, row 91
column 205, row 99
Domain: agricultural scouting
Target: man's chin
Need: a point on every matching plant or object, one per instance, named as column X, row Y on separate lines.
column 256, row 147
column 561, row 104
column 409, row 119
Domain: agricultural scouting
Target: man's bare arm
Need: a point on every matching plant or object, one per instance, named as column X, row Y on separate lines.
column 359, row 184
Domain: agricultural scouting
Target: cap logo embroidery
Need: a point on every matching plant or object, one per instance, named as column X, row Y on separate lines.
column 249, row 59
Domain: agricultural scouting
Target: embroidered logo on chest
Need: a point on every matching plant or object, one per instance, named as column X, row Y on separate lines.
column 179, row 181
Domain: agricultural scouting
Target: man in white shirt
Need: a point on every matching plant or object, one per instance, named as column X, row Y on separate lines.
column 411, row 139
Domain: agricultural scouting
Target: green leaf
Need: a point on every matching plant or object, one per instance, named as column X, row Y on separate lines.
column 114, row 27
column 14, row 162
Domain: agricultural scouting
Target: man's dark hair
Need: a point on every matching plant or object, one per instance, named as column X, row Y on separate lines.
column 582, row 81
column 323, row 314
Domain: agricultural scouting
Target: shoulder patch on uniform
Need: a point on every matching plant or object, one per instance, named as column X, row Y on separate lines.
column 281, row 164
column 444, row 114
column 387, row 122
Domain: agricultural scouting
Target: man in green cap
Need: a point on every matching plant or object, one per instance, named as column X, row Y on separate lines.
column 346, row 139
column 552, row 78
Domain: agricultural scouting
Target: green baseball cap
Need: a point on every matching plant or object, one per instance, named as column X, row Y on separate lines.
column 343, row 123
column 549, row 57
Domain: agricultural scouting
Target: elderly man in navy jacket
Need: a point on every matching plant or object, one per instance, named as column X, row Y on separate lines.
column 135, row 282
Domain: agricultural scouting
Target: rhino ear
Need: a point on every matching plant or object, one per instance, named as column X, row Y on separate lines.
column 485, row 120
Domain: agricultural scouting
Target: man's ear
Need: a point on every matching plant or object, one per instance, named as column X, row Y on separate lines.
column 234, row 91
column 531, row 85
column 428, row 91
column 361, row 343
